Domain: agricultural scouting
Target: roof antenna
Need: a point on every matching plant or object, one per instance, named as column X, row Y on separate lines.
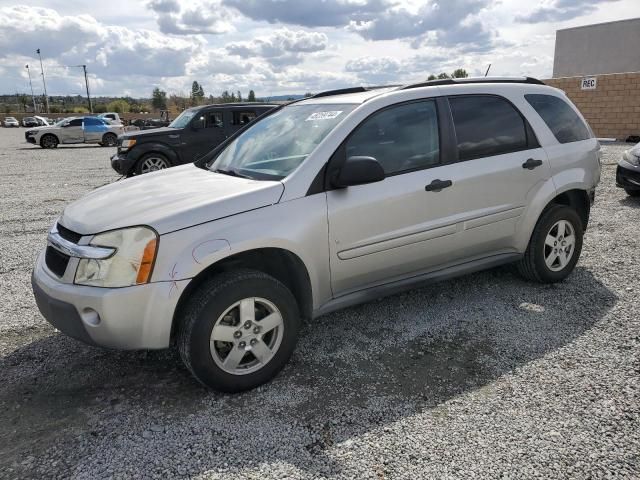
column 487, row 72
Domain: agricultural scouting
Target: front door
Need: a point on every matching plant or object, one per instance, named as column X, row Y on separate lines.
column 206, row 134
column 72, row 132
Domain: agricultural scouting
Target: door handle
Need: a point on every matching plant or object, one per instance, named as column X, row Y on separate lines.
column 530, row 164
column 437, row 185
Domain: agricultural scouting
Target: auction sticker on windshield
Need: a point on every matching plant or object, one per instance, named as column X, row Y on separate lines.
column 323, row 115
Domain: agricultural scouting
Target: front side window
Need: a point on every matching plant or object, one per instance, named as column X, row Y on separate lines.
column 76, row 122
column 562, row 120
column 486, row 126
column 214, row 120
column 400, row 138
column 273, row 147
column 242, row 118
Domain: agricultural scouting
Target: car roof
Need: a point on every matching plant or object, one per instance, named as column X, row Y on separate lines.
column 358, row 95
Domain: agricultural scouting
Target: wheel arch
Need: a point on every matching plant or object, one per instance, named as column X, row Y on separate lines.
column 158, row 148
column 576, row 198
column 50, row 134
column 282, row 264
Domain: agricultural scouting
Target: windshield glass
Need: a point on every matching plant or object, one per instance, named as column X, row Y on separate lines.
column 276, row 145
column 183, row 119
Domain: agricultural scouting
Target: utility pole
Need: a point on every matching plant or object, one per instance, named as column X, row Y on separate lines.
column 86, row 83
column 44, row 83
column 35, row 110
column 487, row 72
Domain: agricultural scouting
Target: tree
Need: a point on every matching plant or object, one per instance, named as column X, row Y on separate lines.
column 159, row 99
column 443, row 76
column 118, row 106
column 308, row 94
column 459, row 73
column 252, row 96
column 197, row 93
column 431, row 77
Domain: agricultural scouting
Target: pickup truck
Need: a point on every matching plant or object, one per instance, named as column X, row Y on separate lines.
column 191, row 135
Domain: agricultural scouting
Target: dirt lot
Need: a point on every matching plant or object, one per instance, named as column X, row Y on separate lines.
column 483, row 376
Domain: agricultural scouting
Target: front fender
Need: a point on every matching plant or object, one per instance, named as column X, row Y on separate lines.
column 140, row 150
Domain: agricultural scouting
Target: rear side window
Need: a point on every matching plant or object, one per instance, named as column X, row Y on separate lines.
column 562, row 120
column 93, row 121
column 486, row 126
column 401, row 138
column 214, row 120
column 242, row 118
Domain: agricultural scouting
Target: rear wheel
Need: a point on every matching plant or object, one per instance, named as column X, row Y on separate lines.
column 238, row 331
column 109, row 140
column 554, row 247
column 632, row 193
column 49, row 141
column 152, row 162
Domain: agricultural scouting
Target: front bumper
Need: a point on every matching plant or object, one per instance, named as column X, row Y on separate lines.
column 121, row 164
column 129, row 318
column 627, row 176
column 30, row 138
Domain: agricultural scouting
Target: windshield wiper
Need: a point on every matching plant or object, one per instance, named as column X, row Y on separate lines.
column 232, row 173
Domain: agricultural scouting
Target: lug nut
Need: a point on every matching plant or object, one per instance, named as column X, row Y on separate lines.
column 247, row 324
column 237, row 334
column 242, row 344
column 256, row 329
column 253, row 342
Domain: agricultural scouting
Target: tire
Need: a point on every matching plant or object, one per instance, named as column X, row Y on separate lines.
column 109, row 140
column 544, row 242
column 632, row 193
column 214, row 306
column 152, row 162
column 49, row 141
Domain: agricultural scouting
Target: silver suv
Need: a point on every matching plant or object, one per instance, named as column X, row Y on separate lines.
column 323, row 203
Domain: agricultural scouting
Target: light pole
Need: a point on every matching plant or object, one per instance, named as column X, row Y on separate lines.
column 44, row 83
column 86, row 83
column 35, row 110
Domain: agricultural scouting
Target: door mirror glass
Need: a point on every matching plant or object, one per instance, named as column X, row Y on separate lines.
column 198, row 123
column 359, row 170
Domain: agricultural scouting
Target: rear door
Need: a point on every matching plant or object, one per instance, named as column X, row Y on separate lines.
column 94, row 129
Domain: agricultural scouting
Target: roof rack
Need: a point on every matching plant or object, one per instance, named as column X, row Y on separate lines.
column 458, row 81
column 343, row 91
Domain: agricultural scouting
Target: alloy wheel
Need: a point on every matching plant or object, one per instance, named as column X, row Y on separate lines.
column 153, row 164
column 246, row 336
column 559, row 245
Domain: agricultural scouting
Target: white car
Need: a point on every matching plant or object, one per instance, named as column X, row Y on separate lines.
column 11, row 122
column 321, row 204
column 75, row 130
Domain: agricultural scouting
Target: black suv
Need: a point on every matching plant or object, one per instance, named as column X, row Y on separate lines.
column 194, row 133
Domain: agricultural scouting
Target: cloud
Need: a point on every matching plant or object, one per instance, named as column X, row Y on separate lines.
column 282, row 47
column 193, row 17
column 323, row 13
column 384, row 70
column 560, row 10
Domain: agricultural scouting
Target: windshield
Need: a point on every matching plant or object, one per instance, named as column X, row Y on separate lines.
column 276, row 145
column 183, row 119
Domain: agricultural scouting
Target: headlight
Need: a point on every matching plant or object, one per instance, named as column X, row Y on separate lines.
column 128, row 143
column 632, row 156
column 132, row 263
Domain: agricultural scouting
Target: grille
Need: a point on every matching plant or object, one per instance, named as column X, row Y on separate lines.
column 68, row 234
column 56, row 261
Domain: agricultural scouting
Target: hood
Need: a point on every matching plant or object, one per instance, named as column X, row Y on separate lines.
column 168, row 200
column 160, row 131
column 42, row 127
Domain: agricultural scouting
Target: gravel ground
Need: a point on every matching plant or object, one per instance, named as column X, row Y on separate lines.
column 484, row 376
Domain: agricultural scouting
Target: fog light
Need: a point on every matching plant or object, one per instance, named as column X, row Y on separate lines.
column 91, row 317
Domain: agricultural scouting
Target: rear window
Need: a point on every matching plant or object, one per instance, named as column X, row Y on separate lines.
column 562, row 120
column 486, row 126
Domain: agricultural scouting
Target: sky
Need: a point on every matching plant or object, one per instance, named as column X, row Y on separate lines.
column 279, row 47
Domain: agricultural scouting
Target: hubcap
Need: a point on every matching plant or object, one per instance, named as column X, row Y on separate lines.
column 246, row 336
column 153, row 164
column 559, row 245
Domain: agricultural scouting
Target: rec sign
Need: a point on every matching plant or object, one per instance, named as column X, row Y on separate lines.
column 589, row 83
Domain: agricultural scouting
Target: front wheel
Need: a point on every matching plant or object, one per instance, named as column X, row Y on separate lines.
column 49, row 141
column 554, row 247
column 238, row 330
column 152, row 162
column 632, row 193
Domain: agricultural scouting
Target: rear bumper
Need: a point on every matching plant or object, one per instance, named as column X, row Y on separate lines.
column 627, row 176
column 122, row 164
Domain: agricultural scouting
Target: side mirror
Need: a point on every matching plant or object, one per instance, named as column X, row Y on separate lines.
column 198, row 123
column 358, row 171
